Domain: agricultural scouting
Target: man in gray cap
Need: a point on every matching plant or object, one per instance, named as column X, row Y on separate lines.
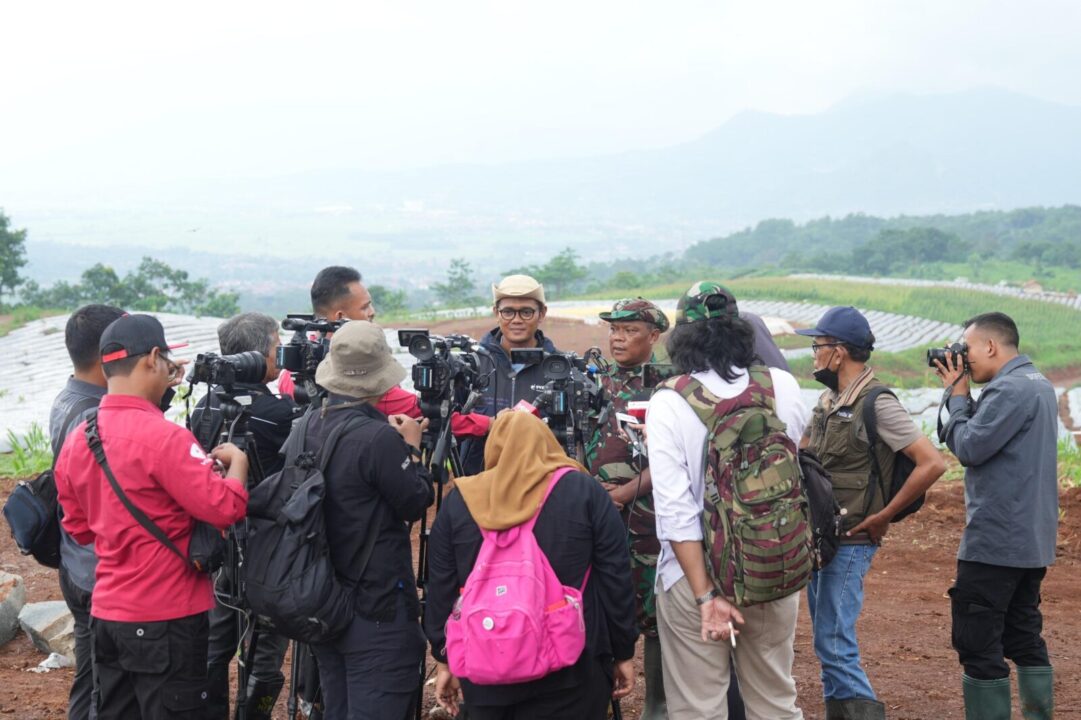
column 374, row 476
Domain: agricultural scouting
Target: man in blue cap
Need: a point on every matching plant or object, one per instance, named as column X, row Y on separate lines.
column 861, row 471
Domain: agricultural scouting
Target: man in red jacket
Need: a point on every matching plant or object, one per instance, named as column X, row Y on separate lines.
column 149, row 606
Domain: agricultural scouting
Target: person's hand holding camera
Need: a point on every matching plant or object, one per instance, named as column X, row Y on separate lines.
column 408, row 428
column 233, row 459
column 953, row 373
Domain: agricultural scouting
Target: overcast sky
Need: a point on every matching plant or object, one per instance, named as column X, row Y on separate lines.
column 147, row 92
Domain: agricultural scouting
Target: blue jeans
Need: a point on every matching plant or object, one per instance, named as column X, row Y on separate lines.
column 835, row 599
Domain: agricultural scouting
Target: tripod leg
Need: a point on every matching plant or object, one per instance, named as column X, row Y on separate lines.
column 294, row 683
column 243, row 675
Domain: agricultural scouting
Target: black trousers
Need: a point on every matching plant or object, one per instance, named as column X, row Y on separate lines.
column 371, row 672
column 589, row 700
column 152, row 670
column 996, row 616
column 83, row 698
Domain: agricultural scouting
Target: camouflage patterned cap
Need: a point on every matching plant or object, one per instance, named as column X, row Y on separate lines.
column 694, row 306
column 630, row 309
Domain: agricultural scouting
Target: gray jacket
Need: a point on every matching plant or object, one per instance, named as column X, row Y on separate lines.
column 1007, row 442
column 78, row 561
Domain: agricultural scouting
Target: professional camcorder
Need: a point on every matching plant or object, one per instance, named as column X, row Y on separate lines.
column 572, row 399
column 940, row 354
column 228, row 370
column 443, row 377
column 303, row 353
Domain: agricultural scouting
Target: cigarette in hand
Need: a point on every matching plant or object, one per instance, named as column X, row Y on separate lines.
column 732, row 634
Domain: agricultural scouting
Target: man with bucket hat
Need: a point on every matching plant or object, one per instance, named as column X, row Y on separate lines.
column 373, row 476
column 634, row 327
column 842, row 342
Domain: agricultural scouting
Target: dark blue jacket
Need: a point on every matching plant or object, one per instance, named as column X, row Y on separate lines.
column 506, row 387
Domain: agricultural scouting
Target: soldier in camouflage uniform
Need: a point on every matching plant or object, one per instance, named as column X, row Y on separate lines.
column 635, row 325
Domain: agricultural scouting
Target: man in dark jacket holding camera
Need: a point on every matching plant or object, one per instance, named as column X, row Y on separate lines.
column 1007, row 441
column 374, row 476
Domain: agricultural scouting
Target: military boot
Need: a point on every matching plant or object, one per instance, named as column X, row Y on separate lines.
column 855, row 709
column 656, row 707
column 986, row 699
column 1034, row 685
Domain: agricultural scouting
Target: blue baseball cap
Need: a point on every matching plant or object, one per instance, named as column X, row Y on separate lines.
column 846, row 324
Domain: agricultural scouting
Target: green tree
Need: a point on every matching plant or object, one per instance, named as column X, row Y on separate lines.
column 460, row 290
column 558, row 275
column 152, row 287
column 388, row 301
column 12, row 257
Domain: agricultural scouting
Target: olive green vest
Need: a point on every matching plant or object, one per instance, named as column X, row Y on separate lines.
column 835, row 440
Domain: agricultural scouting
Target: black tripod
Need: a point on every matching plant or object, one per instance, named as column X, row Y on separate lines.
column 438, row 448
column 235, row 430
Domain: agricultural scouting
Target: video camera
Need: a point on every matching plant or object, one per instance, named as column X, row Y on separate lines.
column 572, row 399
column 302, row 354
column 228, row 370
column 443, row 377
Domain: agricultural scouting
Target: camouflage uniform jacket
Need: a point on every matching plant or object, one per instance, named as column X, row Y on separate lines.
column 610, row 458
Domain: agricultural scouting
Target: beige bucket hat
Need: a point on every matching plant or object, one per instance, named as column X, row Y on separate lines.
column 359, row 364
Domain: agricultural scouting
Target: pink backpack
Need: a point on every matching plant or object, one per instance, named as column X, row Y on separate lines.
column 515, row 621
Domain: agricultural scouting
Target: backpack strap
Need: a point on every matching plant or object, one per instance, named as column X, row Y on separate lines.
column 93, row 440
column 870, row 424
column 761, row 383
column 528, row 527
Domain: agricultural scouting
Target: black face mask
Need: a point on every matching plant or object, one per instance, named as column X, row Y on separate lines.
column 828, row 377
column 167, row 399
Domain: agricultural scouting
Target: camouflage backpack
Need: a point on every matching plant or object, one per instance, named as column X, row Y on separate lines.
column 755, row 522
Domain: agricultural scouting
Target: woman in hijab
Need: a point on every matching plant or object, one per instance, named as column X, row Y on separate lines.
column 577, row 529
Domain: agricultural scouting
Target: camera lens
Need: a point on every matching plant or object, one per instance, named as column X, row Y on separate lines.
column 248, row 367
column 421, row 348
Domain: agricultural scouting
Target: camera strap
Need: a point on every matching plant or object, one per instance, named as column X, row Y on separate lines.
column 93, row 440
column 942, row 406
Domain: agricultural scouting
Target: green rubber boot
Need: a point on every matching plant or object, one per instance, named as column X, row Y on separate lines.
column 986, row 699
column 855, row 709
column 656, row 708
column 1034, row 685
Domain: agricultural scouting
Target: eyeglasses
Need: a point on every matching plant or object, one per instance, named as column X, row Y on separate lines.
column 508, row 313
column 816, row 346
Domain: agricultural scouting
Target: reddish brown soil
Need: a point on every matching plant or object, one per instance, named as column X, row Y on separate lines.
column 904, row 632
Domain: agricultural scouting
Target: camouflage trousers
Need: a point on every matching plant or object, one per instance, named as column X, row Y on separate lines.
column 644, row 552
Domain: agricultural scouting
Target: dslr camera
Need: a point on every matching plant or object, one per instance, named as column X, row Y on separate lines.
column 572, row 399
column 303, row 353
column 940, row 354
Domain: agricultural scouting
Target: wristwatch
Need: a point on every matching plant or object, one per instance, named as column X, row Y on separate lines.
column 703, row 599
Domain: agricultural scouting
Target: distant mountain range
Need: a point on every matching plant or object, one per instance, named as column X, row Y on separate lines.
column 882, row 155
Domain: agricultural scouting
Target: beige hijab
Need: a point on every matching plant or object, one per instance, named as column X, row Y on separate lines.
column 519, row 458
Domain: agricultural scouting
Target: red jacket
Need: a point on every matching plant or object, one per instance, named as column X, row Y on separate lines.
column 398, row 401
column 165, row 473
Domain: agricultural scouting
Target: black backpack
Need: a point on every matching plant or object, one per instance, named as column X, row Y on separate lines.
column 289, row 579
column 32, row 511
column 825, row 512
column 902, row 464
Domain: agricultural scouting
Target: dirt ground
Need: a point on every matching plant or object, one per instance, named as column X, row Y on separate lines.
column 904, row 631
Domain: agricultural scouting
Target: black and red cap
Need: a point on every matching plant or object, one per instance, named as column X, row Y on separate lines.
column 131, row 335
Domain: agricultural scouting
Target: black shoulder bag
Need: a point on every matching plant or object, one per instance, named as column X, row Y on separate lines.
column 902, row 464
column 206, row 551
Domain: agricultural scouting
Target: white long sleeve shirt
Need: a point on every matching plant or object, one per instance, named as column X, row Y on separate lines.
column 676, row 438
